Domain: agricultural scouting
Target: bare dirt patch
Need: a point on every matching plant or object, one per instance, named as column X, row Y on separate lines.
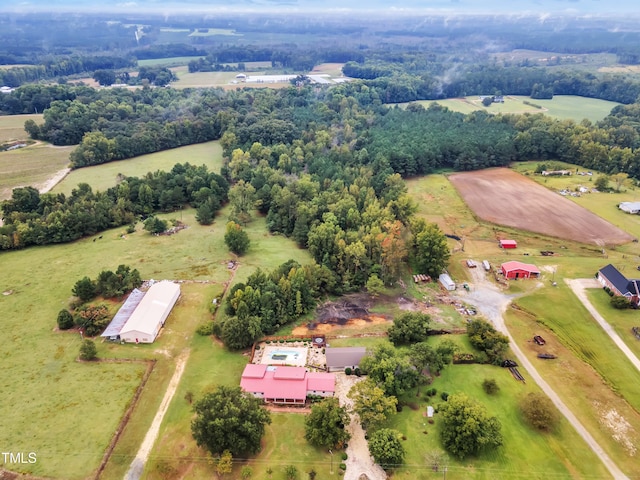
column 351, row 311
column 505, row 197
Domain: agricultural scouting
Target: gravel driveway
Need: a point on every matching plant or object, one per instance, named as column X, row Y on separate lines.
column 359, row 460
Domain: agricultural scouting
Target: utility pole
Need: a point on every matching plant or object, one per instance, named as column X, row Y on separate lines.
column 331, row 453
column 444, row 473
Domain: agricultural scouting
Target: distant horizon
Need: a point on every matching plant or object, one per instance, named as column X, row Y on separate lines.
column 406, row 7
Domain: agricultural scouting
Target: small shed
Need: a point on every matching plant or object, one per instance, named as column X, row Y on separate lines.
column 446, row 281
column 630, row 207
column 508, row 244
column 515, row 270
column 430, row 411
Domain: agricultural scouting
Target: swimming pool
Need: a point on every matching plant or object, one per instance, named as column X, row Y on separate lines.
column 274, row 355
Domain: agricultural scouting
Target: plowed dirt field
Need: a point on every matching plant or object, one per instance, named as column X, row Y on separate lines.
column 505, row 197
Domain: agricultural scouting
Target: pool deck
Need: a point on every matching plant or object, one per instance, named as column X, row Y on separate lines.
column 296, row 361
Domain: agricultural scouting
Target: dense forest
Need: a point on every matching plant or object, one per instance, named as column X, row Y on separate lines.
column 324, row 164
column 34, row 219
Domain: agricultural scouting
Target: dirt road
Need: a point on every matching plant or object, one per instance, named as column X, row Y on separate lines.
column 492, row 303
column 578, row 286
column 137, row 466
column 359, row 460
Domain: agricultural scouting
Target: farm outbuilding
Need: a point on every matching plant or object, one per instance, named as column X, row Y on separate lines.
column 515, row 270
column 112, row 332
column 341, row 358
column 446, row 281
column 630, row 207
column 508, row 244
column 620, row 285
column 149, row 316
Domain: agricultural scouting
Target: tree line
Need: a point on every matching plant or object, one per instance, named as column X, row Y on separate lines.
column 56, row 67
column 31, row 218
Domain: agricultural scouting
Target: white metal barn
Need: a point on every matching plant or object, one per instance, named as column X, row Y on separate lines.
column 446, row 282
column 144, row 324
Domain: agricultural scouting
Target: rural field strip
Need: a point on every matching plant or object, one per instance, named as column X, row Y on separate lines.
column 578, row 286
column 137, row 465
column 490, row 301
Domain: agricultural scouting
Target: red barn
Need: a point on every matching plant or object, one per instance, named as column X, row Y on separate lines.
column 508, row 244
column 515, row 270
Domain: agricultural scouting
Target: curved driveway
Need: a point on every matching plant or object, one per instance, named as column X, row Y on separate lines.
column 579, row 285
column 492, row 303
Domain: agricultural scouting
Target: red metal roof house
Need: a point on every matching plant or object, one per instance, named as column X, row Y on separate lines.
column 514, row 270
column 286, row 385
column 508, row 244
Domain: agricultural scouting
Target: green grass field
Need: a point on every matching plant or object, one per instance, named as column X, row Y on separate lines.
column 561, row 107
column 167, row 62
column 32, row 165
column 622, row 321
column 104, row 176
column 560, row 454
column 226, row 32
column 610, row 419
column 12, row 126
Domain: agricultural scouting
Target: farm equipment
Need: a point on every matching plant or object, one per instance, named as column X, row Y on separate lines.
column 546, row 356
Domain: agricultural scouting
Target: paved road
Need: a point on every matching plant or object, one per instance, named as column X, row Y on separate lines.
column 137, row 466
column 492, row 303
column 579, row 285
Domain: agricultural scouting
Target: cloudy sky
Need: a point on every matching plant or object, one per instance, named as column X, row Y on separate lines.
column 444, row 6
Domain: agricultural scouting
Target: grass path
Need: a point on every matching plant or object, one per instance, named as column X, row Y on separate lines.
column 137, row 466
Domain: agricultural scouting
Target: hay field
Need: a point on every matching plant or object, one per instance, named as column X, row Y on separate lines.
column 32, row 165
column 102, row 177
column 504, row 197
column 12, row 126
column 561, row 106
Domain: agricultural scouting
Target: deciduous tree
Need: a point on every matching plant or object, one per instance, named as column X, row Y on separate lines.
column 431, row 250
column 236, row 239
column 229, row 419
column 539, row 411
column 410, row 327
column 467, row 427
column 371, row 404
column 325, row 425
column 386, row 448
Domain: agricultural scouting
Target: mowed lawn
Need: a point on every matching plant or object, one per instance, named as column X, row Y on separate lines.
column 12, row 126
column 32, row 165
column 559, row 454
column 561, row 106
column 591, row 375
column 102, row 177
column 70, row 426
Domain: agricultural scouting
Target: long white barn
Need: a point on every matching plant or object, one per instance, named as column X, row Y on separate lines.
column 149, row 316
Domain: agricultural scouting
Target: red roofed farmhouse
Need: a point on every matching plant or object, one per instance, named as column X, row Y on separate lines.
column 514, row 270
column 286, row 385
